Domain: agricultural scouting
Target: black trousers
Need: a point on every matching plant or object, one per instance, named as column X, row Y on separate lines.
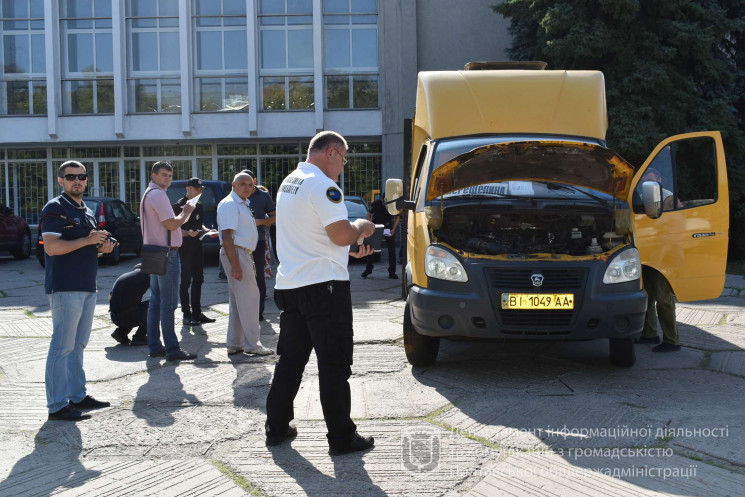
column 314, row 317
column 133, row 317
column 259, row 263
column 192, row 275
column 390, row 242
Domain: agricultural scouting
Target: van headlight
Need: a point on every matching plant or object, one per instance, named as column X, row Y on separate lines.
column 441, row 264
column 624, row 267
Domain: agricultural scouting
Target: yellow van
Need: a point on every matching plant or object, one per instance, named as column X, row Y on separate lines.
column 523, row 225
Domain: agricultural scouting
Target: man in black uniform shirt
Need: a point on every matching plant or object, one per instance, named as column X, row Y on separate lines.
column 192, row 257
column 127, row 308
column 379, row 215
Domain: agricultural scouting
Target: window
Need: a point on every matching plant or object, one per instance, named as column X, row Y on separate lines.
column 154, row 83
column 221, row 55
column 87, row 53
column 350, row 36
column 286, row 39
column 23, row 86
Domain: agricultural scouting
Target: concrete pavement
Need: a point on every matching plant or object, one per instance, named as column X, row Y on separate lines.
column 488, row 419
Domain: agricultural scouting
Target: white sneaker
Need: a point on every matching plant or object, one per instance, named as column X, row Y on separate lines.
column 260, row 350
column 234, row 350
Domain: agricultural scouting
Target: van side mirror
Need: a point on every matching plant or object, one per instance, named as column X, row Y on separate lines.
column 394, row 197
column 652, row 199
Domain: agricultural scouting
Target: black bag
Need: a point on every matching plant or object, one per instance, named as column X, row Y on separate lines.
column 154, row 257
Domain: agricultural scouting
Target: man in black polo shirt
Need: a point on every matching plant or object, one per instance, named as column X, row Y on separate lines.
column 192, row 257
column 71, row 246
column 127, row 307
column 380, row 215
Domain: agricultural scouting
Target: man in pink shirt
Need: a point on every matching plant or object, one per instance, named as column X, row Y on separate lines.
column 158, row 222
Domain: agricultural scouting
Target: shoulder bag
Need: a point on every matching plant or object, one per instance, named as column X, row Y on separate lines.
column 154, row 257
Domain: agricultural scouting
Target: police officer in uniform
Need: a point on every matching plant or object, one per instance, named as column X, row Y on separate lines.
column 192, row 257
column 312, row 292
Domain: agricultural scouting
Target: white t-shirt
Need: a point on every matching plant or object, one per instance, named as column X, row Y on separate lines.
column 234, row 214
column 307, row 202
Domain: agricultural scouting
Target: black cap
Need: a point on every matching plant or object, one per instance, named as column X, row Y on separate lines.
column 195, row 183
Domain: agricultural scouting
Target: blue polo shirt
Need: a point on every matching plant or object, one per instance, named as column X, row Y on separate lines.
column 76, row 270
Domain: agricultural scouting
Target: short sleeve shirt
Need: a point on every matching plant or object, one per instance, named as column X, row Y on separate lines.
column 261, row 204
column 307, row 202
column 154, row 209
column 196, row 219
column 75, row 271
column 380, row 214
column 233, row 214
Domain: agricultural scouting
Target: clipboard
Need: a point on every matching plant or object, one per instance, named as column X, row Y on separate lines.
column 375, row 240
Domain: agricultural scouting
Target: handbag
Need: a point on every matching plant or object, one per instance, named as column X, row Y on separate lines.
column 154, row 257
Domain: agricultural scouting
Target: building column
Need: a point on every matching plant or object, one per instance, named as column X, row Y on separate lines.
column 184, row 32
column 119, row 43
column 52, row 51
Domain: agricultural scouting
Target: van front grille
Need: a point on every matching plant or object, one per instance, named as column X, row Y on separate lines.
column 520, row 279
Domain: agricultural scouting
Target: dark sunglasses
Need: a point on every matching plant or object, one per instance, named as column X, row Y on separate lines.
column 80, row 177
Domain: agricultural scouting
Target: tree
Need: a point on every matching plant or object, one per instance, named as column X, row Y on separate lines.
column 671, row 66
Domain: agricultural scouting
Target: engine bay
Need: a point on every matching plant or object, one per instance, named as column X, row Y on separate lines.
column 503, row 229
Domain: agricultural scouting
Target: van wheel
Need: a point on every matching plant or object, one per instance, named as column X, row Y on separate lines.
column 421, row 350
column 622, row 352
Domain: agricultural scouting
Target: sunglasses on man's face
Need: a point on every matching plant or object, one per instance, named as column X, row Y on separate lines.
column 72, row 177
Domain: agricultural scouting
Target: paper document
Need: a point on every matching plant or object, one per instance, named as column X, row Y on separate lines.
column 210, row 233
column 386, row 232
column 194, row 200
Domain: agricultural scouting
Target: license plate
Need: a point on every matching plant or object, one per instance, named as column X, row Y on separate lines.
column 564, row 301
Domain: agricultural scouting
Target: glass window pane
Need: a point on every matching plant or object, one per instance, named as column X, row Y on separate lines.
column 40, row 97
column 38, row 59
column 146, row 95
column 209, row 50
column 80, row 24
column 335, row 6
column 37, row 25
column 271, row 7
column 105, row 97
column 102, row 8
column 80, row 52
column 144, row 23
column 272, row 21
column 273, row 50
column 103, row 23
column 299, row 6
column 336, row 19
column 170, row 96
column 234, row 7
column 81, row 97
column 104, row 53
column 364, row 19
column 15, row 25
column 144, row 51
column 296, row 20
column 17, row 94
column 210, row 94
column 235, row 46
column 300, row 48
column 142, row 8
column 236, row 94
column 16, row 54
column 301, row 93
column 169, row 52
column 14, row 9
column 78, row 8
column 168, row 8
column 365, row 92
column 365, row 48
column 209, row 21
column 364, row 6
column 168, row 22
column 336, row 48
column 274, row 93
column 207, row 7
column 337, row 92
column 37, row 9
column 234, row 21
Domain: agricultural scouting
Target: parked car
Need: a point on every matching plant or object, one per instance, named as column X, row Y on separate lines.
column 111, row 215
column 212, row 193
column 15, row 235
column 356, row 207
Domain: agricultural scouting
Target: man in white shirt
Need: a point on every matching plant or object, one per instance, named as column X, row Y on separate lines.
column 238, row 237
column 313, row 295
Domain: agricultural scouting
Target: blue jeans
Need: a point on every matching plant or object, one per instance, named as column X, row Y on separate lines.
column 163, row 302
column 72, row 318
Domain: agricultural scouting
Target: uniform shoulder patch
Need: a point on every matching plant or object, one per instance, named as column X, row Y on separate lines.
column 333, row 194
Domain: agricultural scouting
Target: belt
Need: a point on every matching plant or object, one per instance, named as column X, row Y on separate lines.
column 248, row 251
column 174, row 248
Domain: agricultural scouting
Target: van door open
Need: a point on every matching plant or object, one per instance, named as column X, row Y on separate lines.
column 688, row 242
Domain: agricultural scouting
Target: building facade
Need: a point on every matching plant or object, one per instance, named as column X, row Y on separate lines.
column 216, row 86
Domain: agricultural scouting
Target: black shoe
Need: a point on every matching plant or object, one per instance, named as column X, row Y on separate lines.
column 181, row 355
column 120, row 337
column 356, row 444
column 278, row 439
column 201, row 318
column 261, row 317
column 393, row 276
column 68, row 413
column 188, row 321
column 666, row 347
column 654, row 339
column 222, row 276
column 366, row 273
column 136, row 342
column 160, row 353
column 89, row 403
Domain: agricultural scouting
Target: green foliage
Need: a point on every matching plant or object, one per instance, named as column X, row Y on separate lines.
column 671, row 67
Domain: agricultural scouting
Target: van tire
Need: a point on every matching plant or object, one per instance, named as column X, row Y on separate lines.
column 622, row 352
column 421, row 350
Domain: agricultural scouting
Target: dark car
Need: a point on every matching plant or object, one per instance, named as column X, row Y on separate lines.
column 117, row 218
column 356, row 207
column 212, row 193
column 15, row 235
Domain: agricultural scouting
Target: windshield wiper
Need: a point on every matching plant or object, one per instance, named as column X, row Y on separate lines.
column 577, row 190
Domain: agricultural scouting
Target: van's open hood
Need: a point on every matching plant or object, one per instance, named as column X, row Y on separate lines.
column 575, row 163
